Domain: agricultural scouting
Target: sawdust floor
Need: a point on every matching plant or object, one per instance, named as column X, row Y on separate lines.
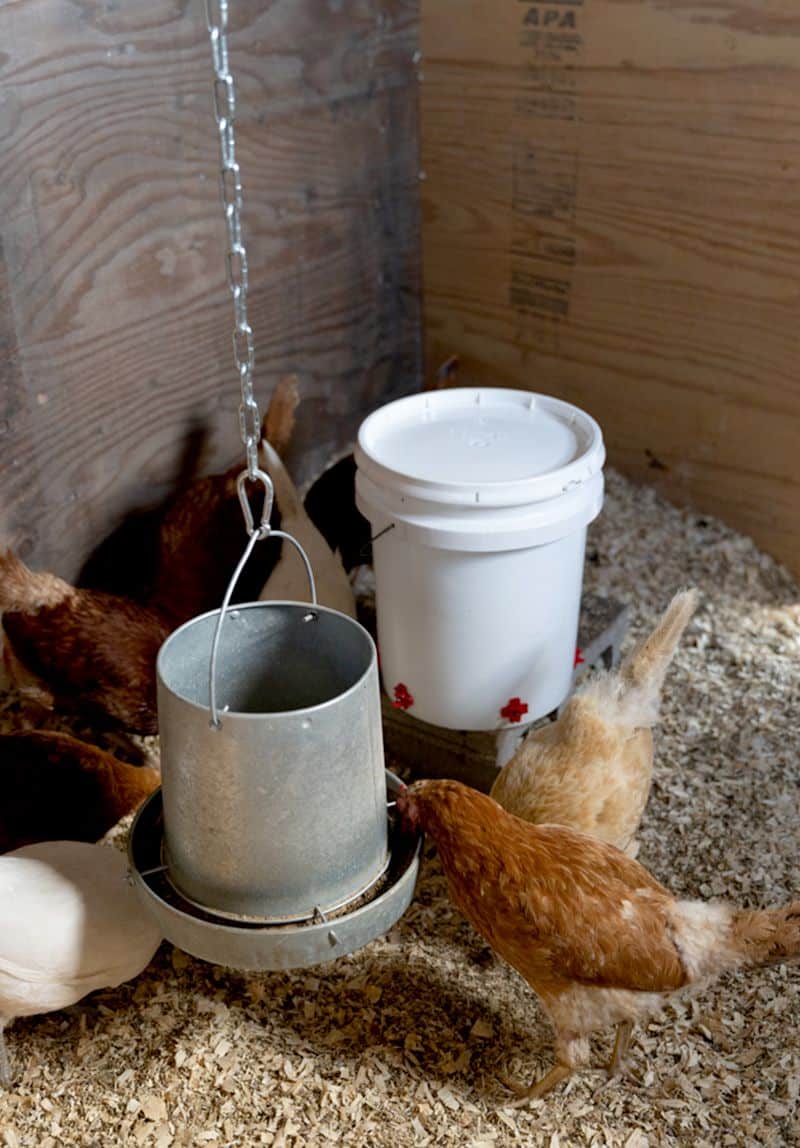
column 400, row 1044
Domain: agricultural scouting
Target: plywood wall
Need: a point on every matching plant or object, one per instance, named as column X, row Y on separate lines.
column 115, row 321
column 611, row 212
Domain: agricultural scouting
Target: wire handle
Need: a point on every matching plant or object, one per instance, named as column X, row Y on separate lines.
column 257, row 533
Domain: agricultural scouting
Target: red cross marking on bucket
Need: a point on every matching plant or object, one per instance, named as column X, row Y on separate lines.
column 403, row 700
column 514, row 709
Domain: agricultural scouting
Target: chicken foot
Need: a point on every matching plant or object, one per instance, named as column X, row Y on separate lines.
column 5, row 1064
column 621, row 1045
column 538, row 1088
column 561, row 1070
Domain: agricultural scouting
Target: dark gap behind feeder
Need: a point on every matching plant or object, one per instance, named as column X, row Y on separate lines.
column 331, row 506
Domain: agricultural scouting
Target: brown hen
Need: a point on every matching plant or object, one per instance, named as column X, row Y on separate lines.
column 596, row 937
column 202, row 535
column 80, row 650
column 56, row 788
column 90, row 651
column 593, row 768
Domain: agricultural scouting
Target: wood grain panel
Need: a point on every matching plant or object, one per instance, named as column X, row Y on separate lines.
column 610, row 214
column 112, row 243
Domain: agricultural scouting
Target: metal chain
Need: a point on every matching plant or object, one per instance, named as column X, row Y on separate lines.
column 236, row 255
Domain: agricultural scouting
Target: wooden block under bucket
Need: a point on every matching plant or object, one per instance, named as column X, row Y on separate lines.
column 475, row 757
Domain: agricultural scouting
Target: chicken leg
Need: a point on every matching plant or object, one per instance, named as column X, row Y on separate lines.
column 538, row 1088
column 621, row 1046
column 5, row 1064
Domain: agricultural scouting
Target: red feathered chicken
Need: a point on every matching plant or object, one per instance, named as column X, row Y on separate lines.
column 202, row 535
column 597, row 938
column 80, row 650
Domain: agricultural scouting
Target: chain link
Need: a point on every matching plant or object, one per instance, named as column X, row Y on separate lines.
column 236, row 255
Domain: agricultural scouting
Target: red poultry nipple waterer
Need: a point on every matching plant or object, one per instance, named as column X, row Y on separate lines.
column 270, row 844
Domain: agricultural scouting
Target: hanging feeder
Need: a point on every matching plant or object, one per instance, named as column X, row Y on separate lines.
column 270, row 844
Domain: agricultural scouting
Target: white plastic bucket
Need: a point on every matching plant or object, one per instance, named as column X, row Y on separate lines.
column 478, row 501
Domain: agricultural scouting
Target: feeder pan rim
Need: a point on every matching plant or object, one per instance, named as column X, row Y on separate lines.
column 232, row 611
column 316, row 916
column 253, row 947
column 253, row 925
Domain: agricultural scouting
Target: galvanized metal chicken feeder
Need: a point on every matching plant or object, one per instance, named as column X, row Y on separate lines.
column 273, row 850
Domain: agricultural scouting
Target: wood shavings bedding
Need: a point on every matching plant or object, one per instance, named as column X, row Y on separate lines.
column 400, row 1043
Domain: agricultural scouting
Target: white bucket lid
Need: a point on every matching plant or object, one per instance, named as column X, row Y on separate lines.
column 479, row 446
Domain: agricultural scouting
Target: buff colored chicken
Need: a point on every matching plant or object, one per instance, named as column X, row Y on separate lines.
column 596, row 937
column 592, row 769
column 288, row 581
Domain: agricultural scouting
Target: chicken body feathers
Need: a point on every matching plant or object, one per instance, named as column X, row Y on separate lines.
column 289, row 580
column 69, row 923
column 557, row 904
column 632, row 695
column 22, row 589
column 91, row 650
column 581, row 774
column 592, row 769
column 593, row 933
column 56, row 787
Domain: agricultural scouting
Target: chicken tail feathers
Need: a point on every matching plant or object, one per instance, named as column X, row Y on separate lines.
column 278, row 425
column 631, row 696
column 645, row 667
column 767, row 936
column 25, row 591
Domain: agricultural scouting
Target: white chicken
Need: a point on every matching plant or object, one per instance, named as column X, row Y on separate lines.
column 288, row 580
column 69, row 924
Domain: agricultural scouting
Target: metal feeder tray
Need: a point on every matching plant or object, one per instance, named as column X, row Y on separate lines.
column 243, row 945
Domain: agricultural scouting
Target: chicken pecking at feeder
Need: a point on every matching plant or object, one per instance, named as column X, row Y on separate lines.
column 271, row 843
